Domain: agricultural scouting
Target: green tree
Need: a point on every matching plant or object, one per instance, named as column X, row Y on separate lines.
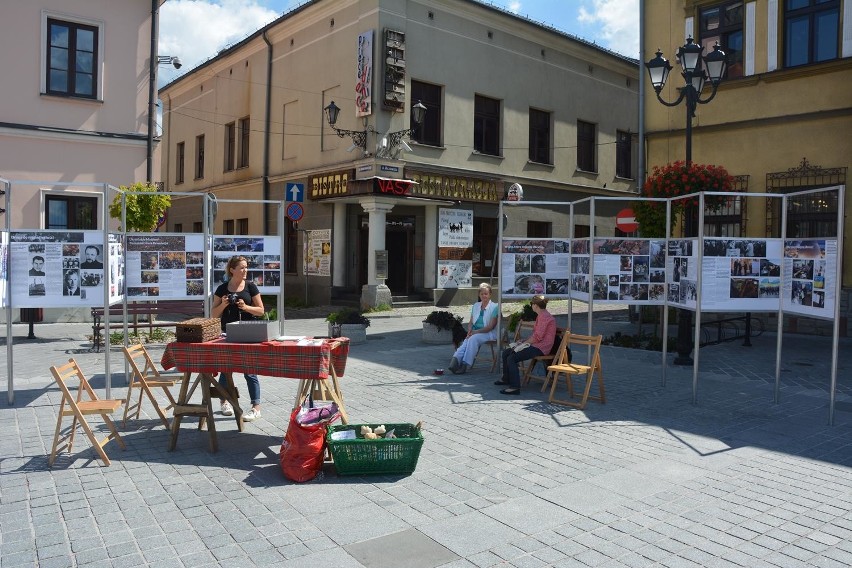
column 143, row 211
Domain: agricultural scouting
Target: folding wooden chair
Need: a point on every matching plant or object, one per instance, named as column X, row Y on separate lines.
column 79, row 408
column 491, row 343
column 149, row 377
column 563, row 367
column 545, row 360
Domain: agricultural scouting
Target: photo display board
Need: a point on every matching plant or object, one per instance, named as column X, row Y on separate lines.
column 263, row 255
column 116, row 268
column 580, row 269
column 535, row 266
column 165, row 266
column 56, row 268
column 4, row 269
column 455, row 248
column 810, row 286
column 629, row 270
column 682, row 272
column 741, row 274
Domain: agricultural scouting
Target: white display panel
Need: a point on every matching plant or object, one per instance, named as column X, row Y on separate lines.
column 535, row 266
column 263, row 255
column 682, row 272
column 741, row 275
column 4, row 269
column 455, row 273
column 455, row 228
column 810, row 282
column 116, row 265
column 56, row 268
column 580, row 269
column 629, row 270
column 165, row 266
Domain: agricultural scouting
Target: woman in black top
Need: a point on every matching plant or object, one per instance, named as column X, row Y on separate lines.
column 248, row 305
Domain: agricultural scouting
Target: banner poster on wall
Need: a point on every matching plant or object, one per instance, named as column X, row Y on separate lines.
column 455, row 274
column 263, row 255
column 455, row 228
column 535, row 266
column 55, row 268
column 810, row 283
column 741, row 274
column 318, row 253
column 629, row 270
column 580, row 269
column 682, row 272
column 165, row 266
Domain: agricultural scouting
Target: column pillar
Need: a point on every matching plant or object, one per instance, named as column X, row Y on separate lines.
column 339, row 254
column 375, row 292
column 430, row 247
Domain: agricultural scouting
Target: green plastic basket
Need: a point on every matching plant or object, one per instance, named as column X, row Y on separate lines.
column 380, row 456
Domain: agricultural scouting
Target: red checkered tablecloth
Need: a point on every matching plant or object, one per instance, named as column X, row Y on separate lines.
column 270, row 358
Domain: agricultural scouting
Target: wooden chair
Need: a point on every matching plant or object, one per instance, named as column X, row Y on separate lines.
column 561, row 366
column 545, row 360
column 492, row 344
column 79, row 408
column 145, row 376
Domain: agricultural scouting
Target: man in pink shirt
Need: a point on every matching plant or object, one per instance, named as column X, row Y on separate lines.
column 540, row 342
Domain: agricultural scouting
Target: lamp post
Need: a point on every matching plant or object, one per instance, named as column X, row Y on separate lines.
column 152, row 105
column 359, row 137
column 696, row 70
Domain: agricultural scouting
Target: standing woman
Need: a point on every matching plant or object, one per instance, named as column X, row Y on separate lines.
column 248, row 306
column 482, row 327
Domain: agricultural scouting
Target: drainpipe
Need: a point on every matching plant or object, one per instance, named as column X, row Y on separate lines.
column 640, row 176
column 152, row 84
column 266, row 123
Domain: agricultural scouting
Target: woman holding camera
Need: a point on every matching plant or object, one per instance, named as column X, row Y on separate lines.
column 235, row 300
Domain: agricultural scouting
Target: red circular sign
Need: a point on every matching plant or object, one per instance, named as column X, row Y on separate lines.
column 295, row 211
column 625, row 220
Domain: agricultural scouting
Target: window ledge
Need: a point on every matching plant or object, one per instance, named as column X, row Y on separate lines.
column 414, row 143
column 72, row 98
column 581, row 171
column 625, row 178
column 495, row 156
column 542, row 164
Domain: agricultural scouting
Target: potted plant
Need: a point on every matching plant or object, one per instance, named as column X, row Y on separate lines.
column 526, row 313
column 350, row 323
column 441, row 327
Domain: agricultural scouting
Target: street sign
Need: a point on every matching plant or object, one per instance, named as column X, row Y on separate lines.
column 295, row 192
column 295, row 211
column 625, row 220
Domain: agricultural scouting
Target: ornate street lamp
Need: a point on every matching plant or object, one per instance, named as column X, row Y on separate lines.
column 696, row 70
column 359, row 137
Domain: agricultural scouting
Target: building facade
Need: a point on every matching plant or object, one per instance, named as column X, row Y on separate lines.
column 507, row 101
column 781, row 118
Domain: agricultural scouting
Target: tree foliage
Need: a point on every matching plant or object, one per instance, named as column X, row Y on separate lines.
column 143, row 211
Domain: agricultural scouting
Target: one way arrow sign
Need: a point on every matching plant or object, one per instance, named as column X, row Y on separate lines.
column 296, row 192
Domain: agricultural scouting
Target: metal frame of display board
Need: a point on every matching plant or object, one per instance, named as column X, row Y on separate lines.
column 104, row 192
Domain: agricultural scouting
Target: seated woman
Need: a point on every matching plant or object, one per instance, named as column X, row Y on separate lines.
column 540, row 342
column 482, row 327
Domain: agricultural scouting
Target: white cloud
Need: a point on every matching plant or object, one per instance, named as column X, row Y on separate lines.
column 195, row 30
column 618, row 22
column 514, row 7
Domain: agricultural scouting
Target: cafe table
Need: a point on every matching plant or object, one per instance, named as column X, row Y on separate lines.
column 317, row 364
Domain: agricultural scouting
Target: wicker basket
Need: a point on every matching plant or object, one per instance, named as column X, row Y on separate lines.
column 198, row 330
column 382, row 456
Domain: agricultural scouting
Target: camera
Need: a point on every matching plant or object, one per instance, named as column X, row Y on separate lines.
column 232, row 299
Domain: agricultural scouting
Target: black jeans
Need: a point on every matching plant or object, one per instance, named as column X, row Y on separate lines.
column 511, row 358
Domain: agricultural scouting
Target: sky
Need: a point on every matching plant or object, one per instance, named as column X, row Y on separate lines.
column 216, row 24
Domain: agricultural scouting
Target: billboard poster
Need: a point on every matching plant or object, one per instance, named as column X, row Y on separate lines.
column 318, row 253
column 364, row 78
column 534, row 266
column 263, row 255
column 165, row 266
column 455, row 228
column 629, row 270
column 56, row 268
column 810, row 286
column 741, row 274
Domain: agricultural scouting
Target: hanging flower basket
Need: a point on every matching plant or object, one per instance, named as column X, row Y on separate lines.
column 674, row 180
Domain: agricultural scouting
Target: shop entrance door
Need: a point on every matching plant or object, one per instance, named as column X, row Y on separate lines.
column 399, row 242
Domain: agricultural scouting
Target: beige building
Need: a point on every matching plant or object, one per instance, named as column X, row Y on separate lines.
column 780, row 119
column 507, row 101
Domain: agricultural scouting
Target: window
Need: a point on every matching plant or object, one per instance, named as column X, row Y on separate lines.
column 728, row 220
column 540, row 136
column 486, row 125
column 245, row 132
column 811, row 31
column 178, row 228
column 539, row 229
column 623, row 155
column 198, row 227
column 70, row 212
column 228, row 227
column 230, row 141
column 430, row 95
column 724, row 23
column 199, row 156
column 586, row 146
column 72, row 59
column 242, row 226
column 181, row 160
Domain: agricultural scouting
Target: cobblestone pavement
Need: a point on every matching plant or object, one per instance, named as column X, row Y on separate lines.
column 647, row 479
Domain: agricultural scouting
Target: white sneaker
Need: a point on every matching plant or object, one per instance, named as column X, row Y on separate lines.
column 226, row 408
column 251, row 415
